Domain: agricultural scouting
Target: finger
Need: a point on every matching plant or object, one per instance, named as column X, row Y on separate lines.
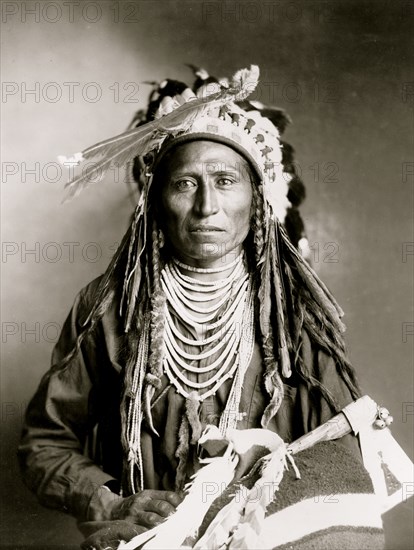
column 161, row 507
column 157, row 494
column 144, row 518
column 173, row 498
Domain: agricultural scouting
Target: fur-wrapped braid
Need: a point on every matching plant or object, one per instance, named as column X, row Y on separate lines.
column 257, row 223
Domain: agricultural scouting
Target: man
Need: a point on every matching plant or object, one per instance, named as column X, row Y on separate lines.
column 206, row 315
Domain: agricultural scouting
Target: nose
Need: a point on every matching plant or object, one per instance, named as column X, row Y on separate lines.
column 206, row 200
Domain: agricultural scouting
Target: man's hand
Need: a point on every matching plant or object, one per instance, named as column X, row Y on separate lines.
column 114, row 518
column 147, row 508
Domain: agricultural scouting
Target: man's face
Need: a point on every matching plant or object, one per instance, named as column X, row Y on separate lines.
column 206, row 197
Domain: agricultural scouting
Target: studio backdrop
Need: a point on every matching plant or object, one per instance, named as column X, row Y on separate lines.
column 74, row 73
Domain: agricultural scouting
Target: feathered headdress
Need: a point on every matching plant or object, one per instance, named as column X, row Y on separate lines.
column 212, row 113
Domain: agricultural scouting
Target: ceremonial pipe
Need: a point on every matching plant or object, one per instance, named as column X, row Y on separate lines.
column 360, row 413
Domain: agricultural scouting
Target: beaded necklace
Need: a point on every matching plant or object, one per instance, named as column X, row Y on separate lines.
column 231, row 335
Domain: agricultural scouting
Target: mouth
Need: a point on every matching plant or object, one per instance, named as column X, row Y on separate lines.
column 205, row 229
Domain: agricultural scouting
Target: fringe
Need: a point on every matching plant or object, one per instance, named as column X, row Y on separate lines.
column 131, row 257
column 132, row 293
column 131, row 413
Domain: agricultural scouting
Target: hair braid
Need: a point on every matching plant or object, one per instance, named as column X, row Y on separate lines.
column 272, row 380
column 256, row 223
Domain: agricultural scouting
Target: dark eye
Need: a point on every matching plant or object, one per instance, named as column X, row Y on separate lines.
column 183, row 184
column 225, row 181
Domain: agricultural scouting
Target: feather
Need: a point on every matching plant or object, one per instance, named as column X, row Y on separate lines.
column 114, row 152
column 218, row 532
column 245, row 80
column 122, row 148
column 259, row 497
column 227, row 519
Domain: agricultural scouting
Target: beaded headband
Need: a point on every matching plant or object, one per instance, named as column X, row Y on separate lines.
column 252, row 136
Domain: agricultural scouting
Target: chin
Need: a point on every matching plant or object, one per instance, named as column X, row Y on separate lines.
column 213, row 252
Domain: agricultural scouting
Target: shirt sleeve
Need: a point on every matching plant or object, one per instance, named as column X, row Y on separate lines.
column 303, row 408
column 313, row 409
column 58, row 420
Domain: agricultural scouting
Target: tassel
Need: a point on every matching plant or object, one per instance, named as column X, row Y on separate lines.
column 131, row 256
column 138, row 249
column 131, row 412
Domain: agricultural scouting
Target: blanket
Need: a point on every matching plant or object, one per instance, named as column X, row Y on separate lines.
column 332, row 506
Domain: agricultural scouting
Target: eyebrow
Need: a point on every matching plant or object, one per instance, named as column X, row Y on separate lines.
column 212, row 167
